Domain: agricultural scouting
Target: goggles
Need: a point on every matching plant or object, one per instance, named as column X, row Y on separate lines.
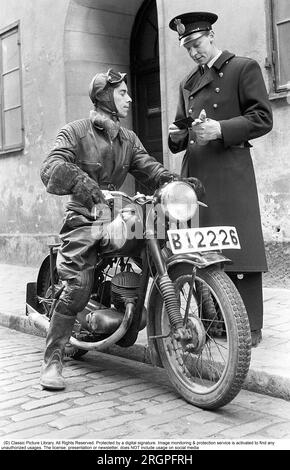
column 113, row 77
column 102, row 81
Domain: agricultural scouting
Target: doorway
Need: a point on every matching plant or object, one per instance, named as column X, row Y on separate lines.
column 144, row 57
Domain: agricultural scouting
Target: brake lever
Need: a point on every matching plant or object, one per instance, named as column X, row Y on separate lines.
column 142, row 199
column 107, row 195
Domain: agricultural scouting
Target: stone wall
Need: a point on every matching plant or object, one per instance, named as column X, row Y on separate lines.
column 63, row 44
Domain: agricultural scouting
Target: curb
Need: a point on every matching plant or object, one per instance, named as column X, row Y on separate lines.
column 20, row 323
column 257, row 380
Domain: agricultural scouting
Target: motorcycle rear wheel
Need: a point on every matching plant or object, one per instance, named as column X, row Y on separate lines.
column 214, row 374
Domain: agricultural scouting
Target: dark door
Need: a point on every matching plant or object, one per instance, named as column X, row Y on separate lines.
column 149, row 112
column 146, row 81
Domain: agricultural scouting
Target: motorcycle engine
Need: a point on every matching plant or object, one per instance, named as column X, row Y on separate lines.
column 124, row 286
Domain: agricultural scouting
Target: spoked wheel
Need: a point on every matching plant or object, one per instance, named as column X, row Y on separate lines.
column 209, row 365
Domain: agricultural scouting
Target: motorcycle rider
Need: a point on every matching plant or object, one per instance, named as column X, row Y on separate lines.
column 90, row 155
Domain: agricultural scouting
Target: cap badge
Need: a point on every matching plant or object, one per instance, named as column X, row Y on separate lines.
column 179, row 26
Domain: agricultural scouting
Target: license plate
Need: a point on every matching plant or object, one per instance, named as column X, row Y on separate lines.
column 203, row 239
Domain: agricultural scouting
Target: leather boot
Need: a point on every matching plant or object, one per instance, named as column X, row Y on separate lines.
column 59, row 332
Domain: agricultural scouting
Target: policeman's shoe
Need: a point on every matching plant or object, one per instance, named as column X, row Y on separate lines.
column 256, row 337
column 58, row 335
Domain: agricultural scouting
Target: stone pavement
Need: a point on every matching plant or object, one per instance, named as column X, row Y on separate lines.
column 270, row 363
column 108, row 397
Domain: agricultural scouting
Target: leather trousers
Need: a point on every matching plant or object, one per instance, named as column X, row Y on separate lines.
column 76, row 259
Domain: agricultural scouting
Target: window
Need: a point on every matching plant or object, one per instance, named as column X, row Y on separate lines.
column 11, row 121
column 280, row 16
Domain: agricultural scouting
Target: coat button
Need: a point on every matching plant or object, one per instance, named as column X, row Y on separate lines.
column 221, row 74
column 215, row 105
column 191, row 141
column 190, row 110
column 217, row 90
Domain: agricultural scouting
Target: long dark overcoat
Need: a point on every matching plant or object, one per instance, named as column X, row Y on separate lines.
column 232, row 92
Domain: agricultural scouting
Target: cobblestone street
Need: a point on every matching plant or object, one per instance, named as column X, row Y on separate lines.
column 113, row 398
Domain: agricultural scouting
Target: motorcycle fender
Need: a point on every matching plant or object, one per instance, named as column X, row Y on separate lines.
column 200, row 260
column 196, row 260
column 31, row 297
column 32, row 288
column 43, row 269
column 45, row 266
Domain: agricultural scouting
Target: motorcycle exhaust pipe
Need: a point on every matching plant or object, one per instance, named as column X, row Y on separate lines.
column 114, row 338
column 41, row 322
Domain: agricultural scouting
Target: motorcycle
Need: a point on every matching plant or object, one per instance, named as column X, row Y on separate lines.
column 157, row 271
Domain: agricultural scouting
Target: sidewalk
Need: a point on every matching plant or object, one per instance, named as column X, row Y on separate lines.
column 270, row 364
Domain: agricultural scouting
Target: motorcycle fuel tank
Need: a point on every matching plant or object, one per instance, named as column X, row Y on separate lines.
column 124, row 235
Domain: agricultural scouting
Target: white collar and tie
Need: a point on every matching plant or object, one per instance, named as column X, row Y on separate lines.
column 212, row 61
column 204, row 68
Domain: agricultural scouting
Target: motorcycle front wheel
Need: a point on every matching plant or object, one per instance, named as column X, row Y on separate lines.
column 210, row 372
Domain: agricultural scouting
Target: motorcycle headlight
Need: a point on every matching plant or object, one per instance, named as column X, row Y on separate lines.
column 178, row 201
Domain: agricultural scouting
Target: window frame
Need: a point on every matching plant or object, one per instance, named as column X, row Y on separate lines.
column 13, row 28
column 272, row 62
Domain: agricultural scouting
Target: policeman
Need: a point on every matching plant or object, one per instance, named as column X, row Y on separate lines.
column 232, row 93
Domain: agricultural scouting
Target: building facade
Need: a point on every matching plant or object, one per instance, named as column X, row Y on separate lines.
column 51, row 49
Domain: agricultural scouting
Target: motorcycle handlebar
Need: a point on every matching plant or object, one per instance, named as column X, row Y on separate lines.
column 139, row 198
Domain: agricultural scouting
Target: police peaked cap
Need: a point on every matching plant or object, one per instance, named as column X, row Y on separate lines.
column 190, row 26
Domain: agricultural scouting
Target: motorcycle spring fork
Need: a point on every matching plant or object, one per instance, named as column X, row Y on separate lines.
column 170, row 300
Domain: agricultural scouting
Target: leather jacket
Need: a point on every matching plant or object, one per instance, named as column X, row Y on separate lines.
column 83, row 148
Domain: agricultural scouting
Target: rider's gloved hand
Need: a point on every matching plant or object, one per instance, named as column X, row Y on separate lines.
column 87, row 192
column 196, row 184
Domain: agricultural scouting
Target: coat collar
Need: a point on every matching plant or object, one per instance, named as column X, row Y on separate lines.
column 194, row 82
column 102, row 121
column 224, row 57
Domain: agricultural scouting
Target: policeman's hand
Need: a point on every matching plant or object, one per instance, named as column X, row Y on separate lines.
column 206, row 131
column 197, row 185
column 176, row 134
